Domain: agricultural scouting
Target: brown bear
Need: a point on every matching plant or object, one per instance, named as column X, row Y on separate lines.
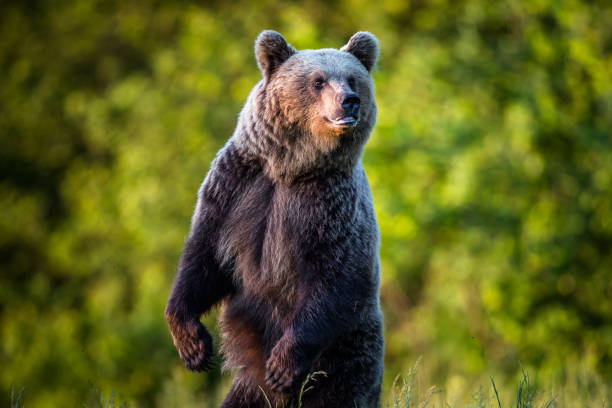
column 284, row 236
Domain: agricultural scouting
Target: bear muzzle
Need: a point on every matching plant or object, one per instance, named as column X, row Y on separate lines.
column 349, row 114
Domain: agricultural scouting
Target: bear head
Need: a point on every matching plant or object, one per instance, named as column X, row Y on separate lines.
column 314, row 109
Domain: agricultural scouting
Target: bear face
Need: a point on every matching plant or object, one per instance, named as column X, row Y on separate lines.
column 325, row 93
column 320, row 101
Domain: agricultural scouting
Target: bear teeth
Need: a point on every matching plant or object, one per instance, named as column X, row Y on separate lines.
column 349, row 120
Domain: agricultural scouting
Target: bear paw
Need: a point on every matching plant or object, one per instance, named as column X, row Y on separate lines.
column 194, row 344
column 283, row 372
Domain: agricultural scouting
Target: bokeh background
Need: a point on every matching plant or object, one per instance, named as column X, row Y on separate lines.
column 491, row 169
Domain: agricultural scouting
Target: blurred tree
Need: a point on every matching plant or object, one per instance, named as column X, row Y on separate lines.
column 491, row 166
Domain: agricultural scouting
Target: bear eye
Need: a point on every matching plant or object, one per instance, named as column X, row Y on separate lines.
column 351, row 82
column 318, row 83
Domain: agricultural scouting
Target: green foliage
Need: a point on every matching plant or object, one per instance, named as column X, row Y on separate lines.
column 491, row 167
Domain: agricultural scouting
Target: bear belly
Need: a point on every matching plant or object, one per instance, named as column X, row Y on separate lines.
column 248, row 337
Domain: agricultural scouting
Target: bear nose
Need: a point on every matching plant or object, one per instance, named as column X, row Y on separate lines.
column 350, row 104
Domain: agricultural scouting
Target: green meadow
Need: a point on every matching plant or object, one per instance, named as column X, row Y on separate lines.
column 490, row 166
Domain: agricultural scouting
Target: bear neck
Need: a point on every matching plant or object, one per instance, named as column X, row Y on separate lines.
column 285, row 149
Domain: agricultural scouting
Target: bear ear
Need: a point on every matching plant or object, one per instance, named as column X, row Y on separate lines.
column 271, row 50
column 364, row 46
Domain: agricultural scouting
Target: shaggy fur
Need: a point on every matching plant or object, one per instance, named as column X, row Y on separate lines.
column 285, row 237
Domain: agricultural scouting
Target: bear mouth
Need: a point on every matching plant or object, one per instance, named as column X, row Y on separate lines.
column 345, row 122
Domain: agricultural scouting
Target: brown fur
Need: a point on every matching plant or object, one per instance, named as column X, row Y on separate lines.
column 285, row 237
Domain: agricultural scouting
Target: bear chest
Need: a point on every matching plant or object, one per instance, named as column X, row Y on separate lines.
column 261, row 238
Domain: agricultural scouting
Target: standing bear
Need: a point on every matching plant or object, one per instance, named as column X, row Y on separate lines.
column 285, row 238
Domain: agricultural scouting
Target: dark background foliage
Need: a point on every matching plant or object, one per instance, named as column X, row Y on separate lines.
column 491, row 168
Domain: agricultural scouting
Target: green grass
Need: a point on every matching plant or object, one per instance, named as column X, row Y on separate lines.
column 17, row 400
column 307, row 385
column 405, row 393
column 107, row 403
column 101, row 402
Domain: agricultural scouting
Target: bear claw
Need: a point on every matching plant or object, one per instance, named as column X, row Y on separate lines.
column 194, row 344
column 282, row 372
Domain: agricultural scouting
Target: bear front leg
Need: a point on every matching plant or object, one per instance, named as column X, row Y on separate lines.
column 286, row 365
column 292, row 356
column 202, row 281
column 321, row 315
column 199, row 285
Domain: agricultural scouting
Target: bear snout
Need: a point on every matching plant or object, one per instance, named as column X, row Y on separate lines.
column 350, row 104
column 347, row 114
